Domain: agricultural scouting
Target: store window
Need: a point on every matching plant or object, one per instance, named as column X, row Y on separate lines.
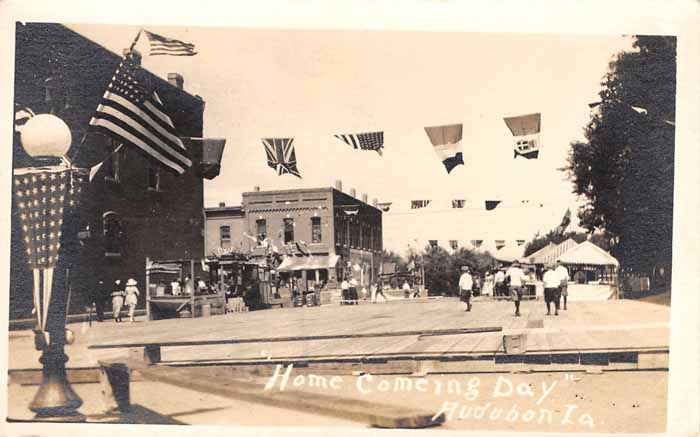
column 225, row 236
column 316, row 233
column 261, row 229
column 288, row 230
column 114, row 233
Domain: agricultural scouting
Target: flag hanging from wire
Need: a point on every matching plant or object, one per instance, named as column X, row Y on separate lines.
column 134, row 114
column 491, row 204
column 281, row 155
column 364, row 141
column 565, row 222
column 447, row 143
column 161, row 45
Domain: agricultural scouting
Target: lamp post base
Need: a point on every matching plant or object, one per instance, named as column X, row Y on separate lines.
column 56, row 401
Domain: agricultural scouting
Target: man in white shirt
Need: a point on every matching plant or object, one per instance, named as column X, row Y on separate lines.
column 551, row 288
column 465, row 287
column 353, row 291
column 498, row 280
column 564, row 281
column 344, row 287
column 406, row 289
column 517, row 278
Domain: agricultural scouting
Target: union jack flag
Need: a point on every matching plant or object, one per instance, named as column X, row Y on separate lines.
column 281, row 156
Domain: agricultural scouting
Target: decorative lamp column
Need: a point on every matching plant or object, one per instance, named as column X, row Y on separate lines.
column 46, row 199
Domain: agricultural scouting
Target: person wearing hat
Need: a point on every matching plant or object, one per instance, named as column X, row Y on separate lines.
column 465, row 287
column 551, row 288
column 517, row 278
column 563, row 281
column 132, row 299
column 117, row 301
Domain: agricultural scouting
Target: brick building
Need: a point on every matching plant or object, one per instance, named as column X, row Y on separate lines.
column 321, row 234
column 133, row 207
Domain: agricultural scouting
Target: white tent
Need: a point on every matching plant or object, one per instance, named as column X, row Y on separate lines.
column 509, row 253
column 588, row 253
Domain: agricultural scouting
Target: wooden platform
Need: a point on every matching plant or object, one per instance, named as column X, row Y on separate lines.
column 435, row 329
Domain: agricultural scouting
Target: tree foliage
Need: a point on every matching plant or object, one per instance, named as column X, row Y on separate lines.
column 624, row 169
column 442, row 268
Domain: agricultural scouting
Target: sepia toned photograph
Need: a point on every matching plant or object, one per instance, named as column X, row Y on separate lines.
column 341, row 229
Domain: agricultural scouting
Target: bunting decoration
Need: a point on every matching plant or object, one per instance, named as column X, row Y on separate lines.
column 45, row 198
column 447, row 143
column 417, row 204
column 526, row 135
column 384, row 206
column 365, row 141
column 281, row 155
column 491, row 204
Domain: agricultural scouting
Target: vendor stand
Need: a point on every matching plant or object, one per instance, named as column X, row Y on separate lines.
column 170, row 294
column 239, row 277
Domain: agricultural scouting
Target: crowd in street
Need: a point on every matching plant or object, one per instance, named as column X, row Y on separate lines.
column 512, row 281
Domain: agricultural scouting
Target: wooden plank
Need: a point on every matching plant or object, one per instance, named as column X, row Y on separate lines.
column 298, row 338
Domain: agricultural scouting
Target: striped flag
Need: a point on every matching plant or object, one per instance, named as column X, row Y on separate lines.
column 365, row 141
column 134, row 114
column 281, row 155
column 447, row 143
column 161, row 45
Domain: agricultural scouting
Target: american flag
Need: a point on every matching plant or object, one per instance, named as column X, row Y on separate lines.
column 161, row 45
column 281, row 155
column 364, row 141
column 42, row 195
column 134, row 114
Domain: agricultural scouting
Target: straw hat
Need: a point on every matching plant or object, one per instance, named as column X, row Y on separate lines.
column 131, row 281
column 516, row 263
column 465, row 268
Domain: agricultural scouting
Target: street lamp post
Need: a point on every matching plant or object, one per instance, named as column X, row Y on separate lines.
column 46, row 197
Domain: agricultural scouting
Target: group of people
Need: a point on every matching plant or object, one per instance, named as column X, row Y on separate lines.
column 124, row 296
column 555, row 280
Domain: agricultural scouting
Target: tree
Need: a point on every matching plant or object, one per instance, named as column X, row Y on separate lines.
column 442, row 269
column 625, row 168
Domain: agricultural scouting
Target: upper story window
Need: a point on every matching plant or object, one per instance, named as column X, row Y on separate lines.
column 261, row 229
column 114, row 233
column 288, row 230
column 458, row 203
column 154, row 176
column 225, row 236
column 113, row 165
column 316, row 233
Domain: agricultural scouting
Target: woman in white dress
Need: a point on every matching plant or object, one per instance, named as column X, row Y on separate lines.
column 131, row 300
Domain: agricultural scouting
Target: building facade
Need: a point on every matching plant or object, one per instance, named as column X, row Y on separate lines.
column 321, row 234
column 132, row 208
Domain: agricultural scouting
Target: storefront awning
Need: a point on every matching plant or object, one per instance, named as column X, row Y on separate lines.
column 294, row 263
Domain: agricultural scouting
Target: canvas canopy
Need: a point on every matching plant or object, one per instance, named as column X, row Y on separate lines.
column 588, row 253
column 539, row 256
column 509, row 253
column 294, row 263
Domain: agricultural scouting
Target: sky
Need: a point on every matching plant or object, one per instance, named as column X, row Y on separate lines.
column 312, row 84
